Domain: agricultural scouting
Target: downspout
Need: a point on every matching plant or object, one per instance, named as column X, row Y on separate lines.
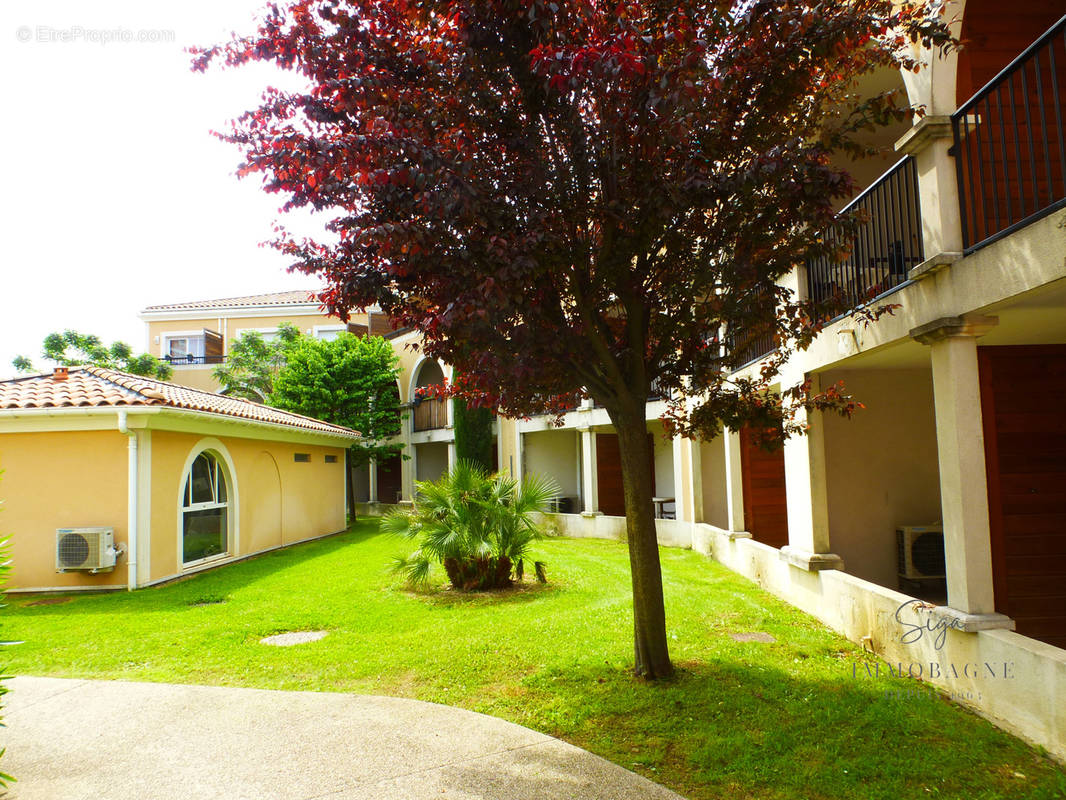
column 131, row 501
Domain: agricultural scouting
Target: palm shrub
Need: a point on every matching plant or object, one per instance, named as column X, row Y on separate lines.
column 479, row 526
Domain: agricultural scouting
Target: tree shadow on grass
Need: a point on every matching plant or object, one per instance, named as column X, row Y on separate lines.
column 758, row 731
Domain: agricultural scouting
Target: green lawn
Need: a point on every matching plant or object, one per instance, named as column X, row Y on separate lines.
column 742, row 720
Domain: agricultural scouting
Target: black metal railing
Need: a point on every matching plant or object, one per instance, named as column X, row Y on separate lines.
column 657, row 392
column 883, row 248
column 751, row 341
column 746, row 349
column 194, row 359
column 1009, row 144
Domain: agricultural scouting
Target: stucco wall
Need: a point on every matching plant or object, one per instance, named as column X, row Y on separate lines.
column 664, row 460
column 230, row 326
column 280, row 500
column 196, row 377
column 431, row 460
column 554, row 454
column 715, row 501
column 79, row 479
column 60, row 480
column 506, row 444
column 881, row 468
column 160, row 329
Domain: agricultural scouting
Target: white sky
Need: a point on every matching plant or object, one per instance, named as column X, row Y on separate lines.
column 116, row 196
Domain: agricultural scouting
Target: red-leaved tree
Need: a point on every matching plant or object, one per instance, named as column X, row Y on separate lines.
column 579, row 198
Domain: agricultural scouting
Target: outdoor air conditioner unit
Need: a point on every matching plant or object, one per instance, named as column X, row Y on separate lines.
column 920, row 550
column 91, row 549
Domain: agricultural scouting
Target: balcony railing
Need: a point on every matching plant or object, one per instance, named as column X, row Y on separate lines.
column 180, row 360
column 1009, row 144
column 745, row 352
column 430, row 414
column 883, row 249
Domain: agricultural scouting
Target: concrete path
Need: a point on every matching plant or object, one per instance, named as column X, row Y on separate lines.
column 113, row 740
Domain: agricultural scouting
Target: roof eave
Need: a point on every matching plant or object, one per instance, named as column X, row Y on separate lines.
column 171, row 411
column 303, row 308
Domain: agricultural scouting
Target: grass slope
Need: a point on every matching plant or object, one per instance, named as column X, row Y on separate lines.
column 788, row 719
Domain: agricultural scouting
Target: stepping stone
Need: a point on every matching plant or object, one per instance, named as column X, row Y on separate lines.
column 753, row 637
column 295, row 637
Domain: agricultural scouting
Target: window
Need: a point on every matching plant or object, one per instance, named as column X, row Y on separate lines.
column 204, row 510
column 302, row 457
column 328, row 332
column 179, row 348
column 331, row 459
column 183, row 348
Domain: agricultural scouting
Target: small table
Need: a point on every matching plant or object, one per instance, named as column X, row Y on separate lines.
column 659, row 502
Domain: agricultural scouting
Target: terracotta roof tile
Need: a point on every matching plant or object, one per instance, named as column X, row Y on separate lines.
column 270, row 299
column 89, row 387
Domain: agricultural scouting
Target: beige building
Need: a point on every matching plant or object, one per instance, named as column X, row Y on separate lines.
column 943, row 503
column 112, row 480
column 942, row 506
column 195, row 337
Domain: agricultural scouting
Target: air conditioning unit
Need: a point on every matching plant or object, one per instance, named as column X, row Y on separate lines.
column 920, row 551
column 91, row 549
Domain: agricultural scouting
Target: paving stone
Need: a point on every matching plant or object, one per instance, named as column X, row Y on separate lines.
column 294, row 637
column 753, row 637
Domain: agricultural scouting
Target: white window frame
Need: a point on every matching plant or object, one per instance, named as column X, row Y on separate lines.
column 317, row 329
column 166, row 338
column 268, row 334
column 224, row 463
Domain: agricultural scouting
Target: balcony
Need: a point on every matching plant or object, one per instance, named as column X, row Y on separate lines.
column 1009, row 144
column 885, row 247
column 178, row 361
column 747, row 350
column 429, row 414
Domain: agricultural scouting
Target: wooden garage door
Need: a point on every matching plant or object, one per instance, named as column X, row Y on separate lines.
column 609, row 474
column 1024, row 418
column 765, row 507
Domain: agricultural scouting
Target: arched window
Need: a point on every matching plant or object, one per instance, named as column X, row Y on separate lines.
column 204, row 510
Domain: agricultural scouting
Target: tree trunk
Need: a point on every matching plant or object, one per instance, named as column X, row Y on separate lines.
column 652, row 656
column 349, row 485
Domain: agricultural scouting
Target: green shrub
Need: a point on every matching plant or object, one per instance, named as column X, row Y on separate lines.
column 473, row 434
column 479, row 527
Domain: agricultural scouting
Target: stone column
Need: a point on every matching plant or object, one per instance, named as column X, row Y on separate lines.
column 694, row 482
column 409, row 471
column 734, row 481
column 372, row 472
column 589, row 487
column 807, row 496
column 451, row 455
column 519, row 455
column 928, row 142
column 682, row 493
column 961, row 455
